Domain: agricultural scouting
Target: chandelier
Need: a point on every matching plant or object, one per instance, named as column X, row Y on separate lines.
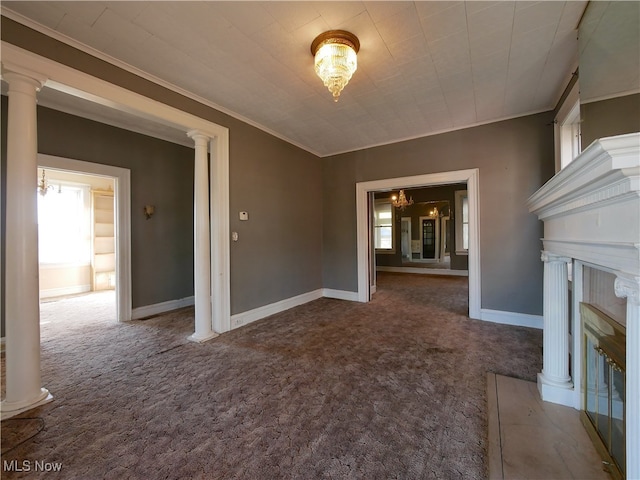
column 43, row 186
column 335, row 59
column 401, row 201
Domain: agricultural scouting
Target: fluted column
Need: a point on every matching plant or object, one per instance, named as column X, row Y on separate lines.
column 629, row 287
column 202, row 244
column 555, row 357
column 22, row 302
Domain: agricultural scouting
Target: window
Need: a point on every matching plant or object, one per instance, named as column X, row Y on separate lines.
column 462, row 222
column 569, row 132
column 64, row 226
column 383, row 226
column 567, row 129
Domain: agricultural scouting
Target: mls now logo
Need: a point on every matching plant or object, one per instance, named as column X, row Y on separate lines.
column 29, row 466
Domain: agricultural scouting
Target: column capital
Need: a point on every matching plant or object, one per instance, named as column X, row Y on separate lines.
column 200, row 138
column 548, row 257
column 629, row 287
column 14, row 73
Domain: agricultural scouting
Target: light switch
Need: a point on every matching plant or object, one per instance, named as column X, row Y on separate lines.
column 244, row 215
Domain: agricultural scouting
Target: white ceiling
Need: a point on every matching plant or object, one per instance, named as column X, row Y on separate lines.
column 423, row 67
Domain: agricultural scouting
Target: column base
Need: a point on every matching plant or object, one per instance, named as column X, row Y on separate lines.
column 561, row 393
column 11, row 409
column 198, row 338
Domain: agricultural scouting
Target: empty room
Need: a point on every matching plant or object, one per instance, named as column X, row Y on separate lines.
column 320, row 239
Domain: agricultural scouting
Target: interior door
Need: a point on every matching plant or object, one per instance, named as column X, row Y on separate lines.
column 428, row 238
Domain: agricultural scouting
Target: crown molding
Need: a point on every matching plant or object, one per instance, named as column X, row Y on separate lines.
column 49, row 32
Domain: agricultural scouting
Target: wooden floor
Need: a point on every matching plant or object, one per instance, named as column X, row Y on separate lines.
column 532, row 439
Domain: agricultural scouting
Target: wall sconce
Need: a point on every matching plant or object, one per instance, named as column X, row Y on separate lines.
column 149, row 210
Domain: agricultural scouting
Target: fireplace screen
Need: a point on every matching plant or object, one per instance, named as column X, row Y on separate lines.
column 604, row 372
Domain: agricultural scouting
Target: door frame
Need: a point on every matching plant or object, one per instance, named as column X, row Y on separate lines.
column 122, row 195
column 436, row 239
column 363, row 230
column 75, row 82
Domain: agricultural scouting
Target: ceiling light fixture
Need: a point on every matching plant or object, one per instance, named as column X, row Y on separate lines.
column 335, row 59
column 44, row 186
column 401, row 201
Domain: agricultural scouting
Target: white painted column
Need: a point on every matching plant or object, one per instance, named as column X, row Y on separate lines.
column 554, row 383
column 630, row 287
column 22, row 302
column 202, row 245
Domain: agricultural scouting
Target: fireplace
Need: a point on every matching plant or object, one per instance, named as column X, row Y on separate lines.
column 604, row 384
column 591, row 337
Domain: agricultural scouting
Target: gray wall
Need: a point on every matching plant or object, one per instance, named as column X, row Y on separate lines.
column 279, row 252
column 438, row 193
column 514, row 158
column 611, row 117
column 609, row 50
column 161, row 175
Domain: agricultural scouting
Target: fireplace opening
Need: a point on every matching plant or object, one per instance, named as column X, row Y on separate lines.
column 604, row 382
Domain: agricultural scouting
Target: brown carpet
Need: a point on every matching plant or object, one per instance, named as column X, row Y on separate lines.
column 390, row 389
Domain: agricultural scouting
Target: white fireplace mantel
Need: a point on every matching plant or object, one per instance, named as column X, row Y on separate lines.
column 591, row 215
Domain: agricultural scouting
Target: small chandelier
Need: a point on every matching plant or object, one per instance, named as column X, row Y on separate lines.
column 401, row 201
column 43, row 186
column 335, row 59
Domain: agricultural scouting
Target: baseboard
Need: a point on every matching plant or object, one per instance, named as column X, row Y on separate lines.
column 158, row 308
column 424, row 271
column 340, row 294
column 511, row 318
column 62, row 291
column 244, row 318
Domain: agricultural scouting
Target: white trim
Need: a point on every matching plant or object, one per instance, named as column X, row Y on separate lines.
column 77, row 83
column 512, row 318
column 163, row 307
column 569, row 102
column 244, row 318
column 424, row 271
column 577, row 296
column 471, row 177
column 341, row 294
column 122, row 193
column 62, row 291
column 567, row 396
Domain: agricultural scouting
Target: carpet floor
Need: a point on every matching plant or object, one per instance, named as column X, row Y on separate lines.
column 395, row 388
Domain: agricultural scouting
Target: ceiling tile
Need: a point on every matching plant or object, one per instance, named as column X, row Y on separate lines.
column 538, row 15
column 422, row 67
column 444, row 22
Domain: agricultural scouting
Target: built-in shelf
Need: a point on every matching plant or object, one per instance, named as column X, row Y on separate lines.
column 103, row 263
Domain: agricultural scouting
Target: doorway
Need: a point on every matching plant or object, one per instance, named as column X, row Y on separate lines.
column 99, row 197
column 76, row 233
column 429, row 238
column 363, row 234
